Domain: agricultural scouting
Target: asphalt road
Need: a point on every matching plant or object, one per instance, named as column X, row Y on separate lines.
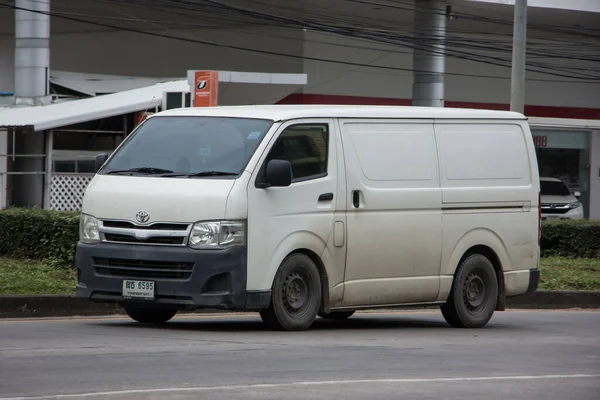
column 404, row 355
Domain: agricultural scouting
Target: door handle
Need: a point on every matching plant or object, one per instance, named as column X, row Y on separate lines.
column 356, row 198
column 326, row 197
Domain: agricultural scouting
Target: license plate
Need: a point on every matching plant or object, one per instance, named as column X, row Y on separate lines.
column 138, row 290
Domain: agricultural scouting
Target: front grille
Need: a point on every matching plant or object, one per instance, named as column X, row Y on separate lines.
column 555, row 211
column 558, row 209
column 161, row 226
column 172, row 240
column 143, row 269
column 159, row 233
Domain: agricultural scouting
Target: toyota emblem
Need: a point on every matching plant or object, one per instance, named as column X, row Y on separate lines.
column 142, row 217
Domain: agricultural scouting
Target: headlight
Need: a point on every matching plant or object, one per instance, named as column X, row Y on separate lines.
column 216, row 235
column 574, row 205
column 88, row 229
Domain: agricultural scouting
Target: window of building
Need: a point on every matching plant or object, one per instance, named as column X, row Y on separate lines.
column 306, row 148
column 565, row 155
column 75, row 166
column 65, row 167
column 86, row 166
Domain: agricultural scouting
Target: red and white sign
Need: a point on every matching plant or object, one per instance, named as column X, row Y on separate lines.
column 206, row 89
column 540, row 141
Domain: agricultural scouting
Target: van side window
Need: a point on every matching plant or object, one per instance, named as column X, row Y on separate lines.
column 306, row 148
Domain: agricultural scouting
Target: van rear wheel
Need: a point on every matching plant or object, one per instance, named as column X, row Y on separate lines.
column 474, row 294
column 149, row 315
column 296, row 295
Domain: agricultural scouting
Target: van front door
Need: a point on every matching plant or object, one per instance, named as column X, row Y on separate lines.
column 303, row 215
column 394, row 212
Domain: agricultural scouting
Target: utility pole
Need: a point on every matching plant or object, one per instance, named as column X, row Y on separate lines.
column 517, row 86
column 32, row 52
column 429, row 54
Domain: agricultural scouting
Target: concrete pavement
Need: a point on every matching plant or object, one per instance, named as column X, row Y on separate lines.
column 525, row 354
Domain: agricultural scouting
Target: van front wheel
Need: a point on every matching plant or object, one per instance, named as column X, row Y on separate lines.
column 474, row 294
column 149, row 315
column 296, row 296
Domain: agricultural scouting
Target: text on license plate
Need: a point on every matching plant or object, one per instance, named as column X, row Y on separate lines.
column 138, row 289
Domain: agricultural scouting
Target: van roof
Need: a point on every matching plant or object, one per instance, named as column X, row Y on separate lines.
column 287, row 112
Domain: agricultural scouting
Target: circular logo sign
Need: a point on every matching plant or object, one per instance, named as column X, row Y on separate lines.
column 202, row 85
column 142, row 217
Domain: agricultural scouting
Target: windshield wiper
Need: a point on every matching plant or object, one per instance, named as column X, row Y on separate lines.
column 213, row 173
column 203, row 173
column 141, row 170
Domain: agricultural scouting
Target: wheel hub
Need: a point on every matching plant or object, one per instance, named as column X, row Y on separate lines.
column 474, row 292
column 295, row 292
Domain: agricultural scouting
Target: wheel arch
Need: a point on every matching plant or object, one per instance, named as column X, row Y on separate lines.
column 304, row 242
column 489, row 244
column 491, row 255
column 322, row 273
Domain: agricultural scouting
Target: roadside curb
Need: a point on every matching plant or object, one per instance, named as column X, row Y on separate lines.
column 556, row 299
column 22, row 306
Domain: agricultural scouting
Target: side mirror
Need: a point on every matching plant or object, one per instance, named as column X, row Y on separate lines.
column 279, row 173
column 100, row 160
column 577, row 194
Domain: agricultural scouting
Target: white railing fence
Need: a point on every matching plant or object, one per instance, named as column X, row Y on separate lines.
column 67, row 191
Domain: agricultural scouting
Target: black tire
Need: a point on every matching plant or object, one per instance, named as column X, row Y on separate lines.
column 337, row 315
column 296, row 295
column 149, row 315
column 474, row 294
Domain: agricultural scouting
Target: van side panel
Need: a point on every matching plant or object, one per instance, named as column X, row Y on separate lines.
column 394, row 230
column 490, row 188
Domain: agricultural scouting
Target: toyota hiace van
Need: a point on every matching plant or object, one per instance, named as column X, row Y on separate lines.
column 297, row 212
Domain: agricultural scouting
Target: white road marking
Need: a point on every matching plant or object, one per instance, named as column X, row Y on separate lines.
column 307, row 383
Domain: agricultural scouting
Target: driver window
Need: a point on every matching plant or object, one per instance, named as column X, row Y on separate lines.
column 306, row 148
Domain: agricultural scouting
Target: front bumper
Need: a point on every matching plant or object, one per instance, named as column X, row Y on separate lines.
column 576, row 213
column 184, row 278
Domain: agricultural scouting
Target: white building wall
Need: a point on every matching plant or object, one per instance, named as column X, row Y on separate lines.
column 330, row 79
column 595, row 176
column 351, row 80
column 575, row 5
column 125, row 53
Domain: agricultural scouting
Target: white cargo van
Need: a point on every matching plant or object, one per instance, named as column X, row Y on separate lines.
column 306, row 211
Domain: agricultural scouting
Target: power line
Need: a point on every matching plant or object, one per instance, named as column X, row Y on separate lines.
column 480, row 44
column 474, row 17
column 204, row 42
column 408, row 41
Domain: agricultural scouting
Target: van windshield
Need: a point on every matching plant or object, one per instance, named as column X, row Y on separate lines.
column 553, row 188
column 189, row 146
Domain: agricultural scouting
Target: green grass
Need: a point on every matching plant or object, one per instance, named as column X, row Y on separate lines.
column 559, row 273
column 38, row 277
column 35, row 277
